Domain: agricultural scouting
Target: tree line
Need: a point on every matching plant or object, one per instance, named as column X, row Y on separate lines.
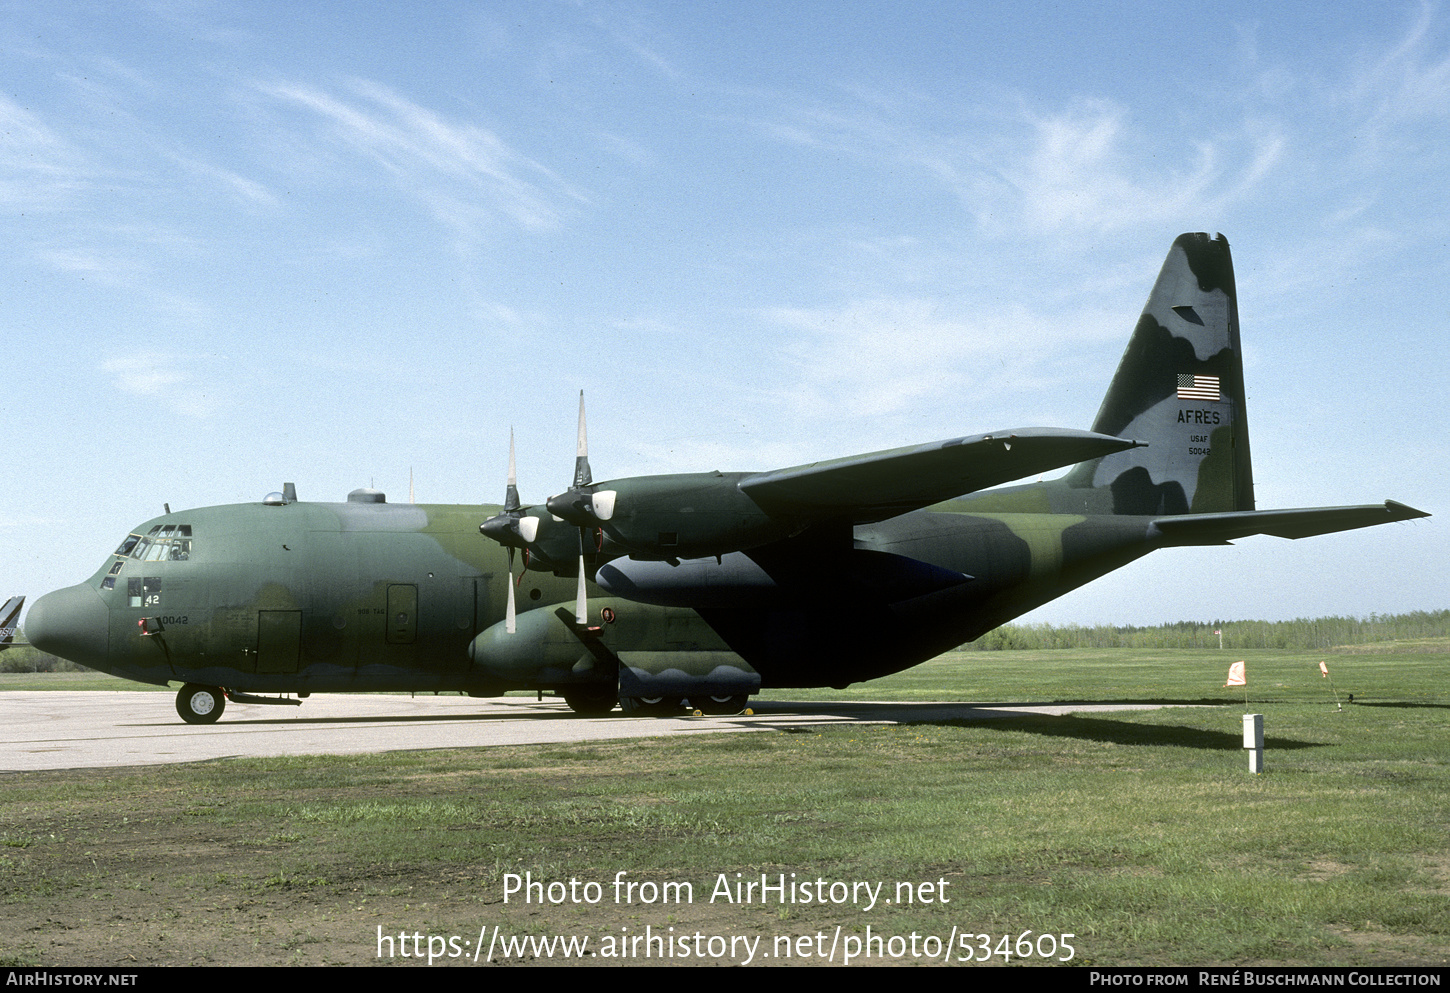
column 25, row 658
column 1309, row 634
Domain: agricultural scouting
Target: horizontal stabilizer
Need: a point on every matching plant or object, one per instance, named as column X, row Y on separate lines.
column 873, row 487
column 1213, row 529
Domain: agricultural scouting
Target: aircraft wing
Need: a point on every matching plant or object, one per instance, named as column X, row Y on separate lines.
column 873, row 487
column 1220, row 529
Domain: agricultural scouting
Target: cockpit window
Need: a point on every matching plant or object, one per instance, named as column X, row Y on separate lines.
column 163, row 543
column 170, row 531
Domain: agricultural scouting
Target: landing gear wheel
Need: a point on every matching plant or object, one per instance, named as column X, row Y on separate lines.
column 591, row 701
column 200, row 704
column 651, row 706
column 720, row 706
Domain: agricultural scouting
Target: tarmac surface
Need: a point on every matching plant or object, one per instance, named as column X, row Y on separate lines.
column 57, row 729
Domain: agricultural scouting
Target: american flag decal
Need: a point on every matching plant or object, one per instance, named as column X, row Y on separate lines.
column 1198, row 388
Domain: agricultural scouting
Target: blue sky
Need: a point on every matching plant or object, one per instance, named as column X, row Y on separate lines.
column 330, row 243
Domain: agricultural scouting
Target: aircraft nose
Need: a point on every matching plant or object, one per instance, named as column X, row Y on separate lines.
column 71, row 623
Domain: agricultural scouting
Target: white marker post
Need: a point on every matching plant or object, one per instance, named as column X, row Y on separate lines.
column 1254, row 741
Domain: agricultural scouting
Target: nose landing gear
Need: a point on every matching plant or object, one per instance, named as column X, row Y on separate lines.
column 199, row 704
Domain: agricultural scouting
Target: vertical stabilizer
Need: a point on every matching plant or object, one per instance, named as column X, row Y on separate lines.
column 1180, row 388
column 9, row 618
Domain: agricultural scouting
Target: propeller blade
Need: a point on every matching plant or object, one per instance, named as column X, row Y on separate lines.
column 581, row 605
column 582, row 475
column 580, row 502
column 510, row 617
column 511, row 493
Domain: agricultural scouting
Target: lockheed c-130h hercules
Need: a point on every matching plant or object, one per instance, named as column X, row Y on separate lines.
column 703, row 587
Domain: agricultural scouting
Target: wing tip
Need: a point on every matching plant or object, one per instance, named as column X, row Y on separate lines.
column 1404, row 512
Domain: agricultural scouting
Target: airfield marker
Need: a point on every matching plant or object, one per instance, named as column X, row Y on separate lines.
column 1254, row 741
column 1238, row 676
column 1324, row 673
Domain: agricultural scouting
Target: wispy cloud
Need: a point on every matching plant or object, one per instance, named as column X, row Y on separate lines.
column 241, row 187
column 1082, row 164
column 882, row 356
column 153, row 375
column 102, row 267
column 1406, row 83
column 39, row 169
column 460, row 170
column 1085, row 167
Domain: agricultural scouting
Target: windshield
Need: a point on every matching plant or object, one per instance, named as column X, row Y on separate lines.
column 163, row 543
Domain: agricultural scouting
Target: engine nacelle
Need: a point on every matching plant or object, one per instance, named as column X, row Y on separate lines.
column 548, row 649
column 542, row 649
column 681, row 516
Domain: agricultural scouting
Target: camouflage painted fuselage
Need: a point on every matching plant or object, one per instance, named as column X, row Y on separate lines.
column 310, row 597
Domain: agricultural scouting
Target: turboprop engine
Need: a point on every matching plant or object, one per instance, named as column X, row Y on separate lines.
column 673, row 517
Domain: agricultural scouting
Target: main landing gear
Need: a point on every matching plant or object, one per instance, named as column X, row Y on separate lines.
column 651, row 706
column 199, row 704
column 720, row 706
column 672, row 706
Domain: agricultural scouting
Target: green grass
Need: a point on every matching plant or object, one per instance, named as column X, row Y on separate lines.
column 1142, row 833
column 1371, row 673
column 1153, row 676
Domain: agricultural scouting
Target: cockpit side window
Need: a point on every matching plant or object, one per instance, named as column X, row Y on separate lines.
column 144, row 592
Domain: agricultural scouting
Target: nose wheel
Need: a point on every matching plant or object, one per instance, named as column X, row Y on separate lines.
column 200, row 704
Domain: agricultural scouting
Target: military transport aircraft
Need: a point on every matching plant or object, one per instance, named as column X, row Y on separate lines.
column 9, row 617
column 706, row 587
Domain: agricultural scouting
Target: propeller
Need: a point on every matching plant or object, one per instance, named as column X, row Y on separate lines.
column 518, row 527
column 577, row 506
column 580, row 505
column 511, row 507
column 513, row 530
